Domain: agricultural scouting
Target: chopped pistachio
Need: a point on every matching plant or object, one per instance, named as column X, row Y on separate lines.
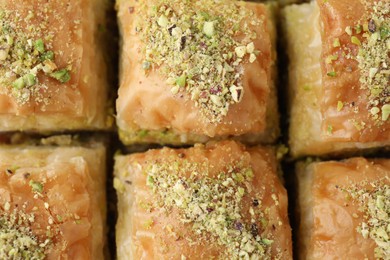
column 336, row 43
column 355, row 40
column 250, row 48
column 208, row 29
column 30, row 79
column 19, row 83
column 331, row 58
column 49, row 55
column 240, row 51
column 385, row 112
column 3, row 55
column 374, row 110
column 384, row 32
column 39, row 46
column 36, row 186
column 373, row 72
column 332, row 74
column 340, row 105
column 163, row 21
column 252, row 58
column 181, row 81
column 62, row 76
column 348, row 30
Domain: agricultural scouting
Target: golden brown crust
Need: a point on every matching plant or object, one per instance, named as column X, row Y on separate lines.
column 67, row 83
column 59, row 194
column 347, row 101
column 331, row 210
column 304, row 43
column 146, row 232
column 154, row 107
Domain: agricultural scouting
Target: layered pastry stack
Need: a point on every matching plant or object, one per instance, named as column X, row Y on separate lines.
column 52, row 79
column 194, row 72
column 198, row 79
column 339, row 104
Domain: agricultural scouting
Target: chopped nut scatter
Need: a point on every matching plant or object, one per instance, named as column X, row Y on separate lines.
column 25, row 53
column 374, row 58
column 200, row 49
column 213, row 206
column 16, row 238
column 375, row 206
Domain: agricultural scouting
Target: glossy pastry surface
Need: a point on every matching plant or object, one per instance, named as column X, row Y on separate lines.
column 203, row 67
column 52, row 71
column 344, row 209
column 331, row 107
column 52, row 203
column 216, row 201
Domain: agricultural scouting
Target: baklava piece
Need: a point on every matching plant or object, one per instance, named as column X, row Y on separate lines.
column 52, row 202
column 214, row 201
column 344, row 209
column 196, row 70
column 338, row 75
column 52, row 70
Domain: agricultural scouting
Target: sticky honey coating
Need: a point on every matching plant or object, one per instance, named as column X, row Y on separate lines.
column 225, row 83
column 52, row 203
column 52, row 70
column 214, row 201
column 344, row 209
column 305, row 88
column 355, row 63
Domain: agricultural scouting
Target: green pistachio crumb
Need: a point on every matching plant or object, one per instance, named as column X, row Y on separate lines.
column 39, row 46
column 355, row 40
column 19, row 83
column 336, row 43
column 62, row 76
column 340, row 105
column 181, row 81
column 49, row 55
column 385, row 112
column 30, row 79
column 208, row 29
column 332, row 74
column 36, row 186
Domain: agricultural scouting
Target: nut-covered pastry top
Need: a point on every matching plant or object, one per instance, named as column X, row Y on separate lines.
column 356, row 72
column 219, row 200
column 31, row 59
column 200, row 49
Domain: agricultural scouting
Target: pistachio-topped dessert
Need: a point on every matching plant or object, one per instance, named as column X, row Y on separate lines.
column 218, row 201
column 25, row 54
column 200, row 49
column 344, row 209
column 52, row 203
column 52, row 66
column 375, row 207
column 197, row 70
column 356, row 60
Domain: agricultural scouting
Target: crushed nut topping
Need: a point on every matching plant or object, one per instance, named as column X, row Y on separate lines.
column 25, row 53
column 213, row 205
column 200, row 49
column 374, row 59
column 16, row 238
column 375, row 207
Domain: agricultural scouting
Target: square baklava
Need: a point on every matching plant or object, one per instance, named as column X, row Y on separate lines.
column 338, row 76
column 52, row 69
column 191, row 71
column 215, row 201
